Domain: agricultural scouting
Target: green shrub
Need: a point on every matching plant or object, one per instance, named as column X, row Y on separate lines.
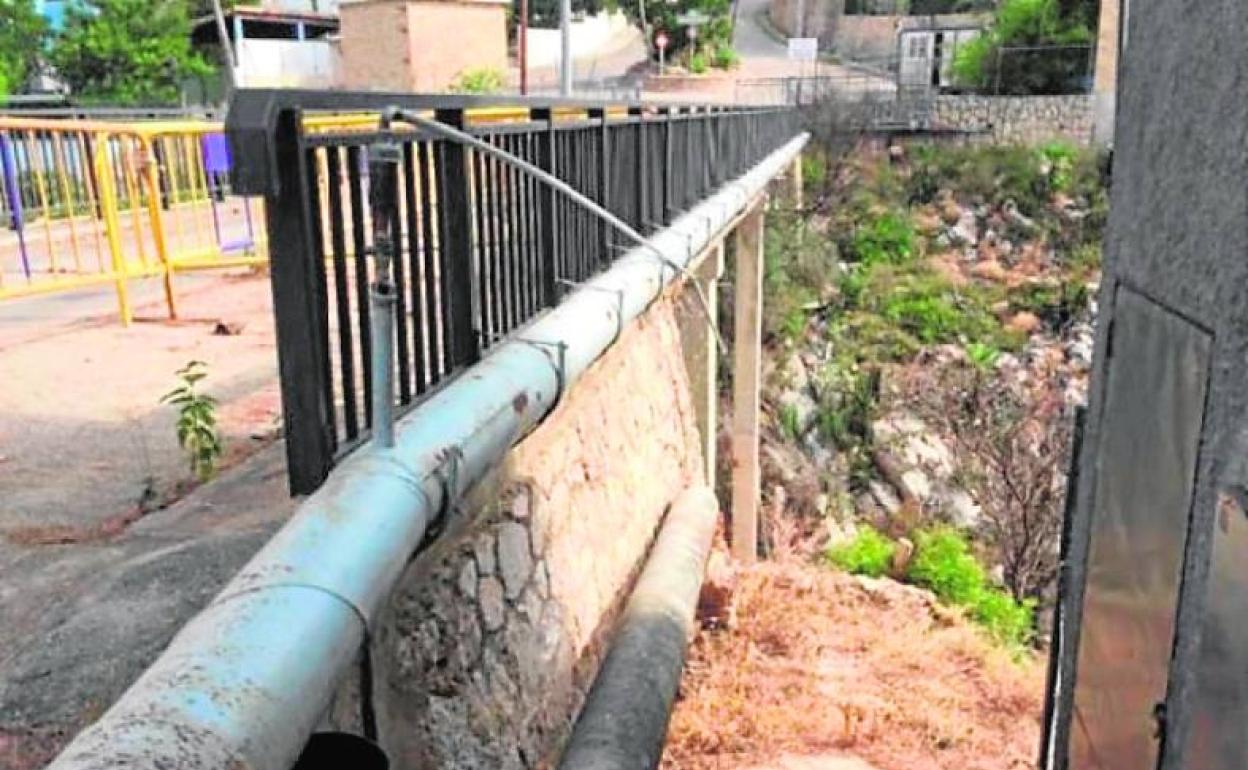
column 1061, row 158
column 814, row 171
column 788, row 422
column 991, row 175
column 888, row 238
column 982, row 355
column 698, row 64
column 1007, row 620
column 869, row 553
column 1030, row 48
column 798, row 264
column 943, row 563
column 725, row 57
column 851, row 404
column 480, row 80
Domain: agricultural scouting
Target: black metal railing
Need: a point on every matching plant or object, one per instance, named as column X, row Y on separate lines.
column 480, row 248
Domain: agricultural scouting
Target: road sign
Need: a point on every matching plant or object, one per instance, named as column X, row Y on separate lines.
column 692, row 19
column 661, row 41
column 803, row 48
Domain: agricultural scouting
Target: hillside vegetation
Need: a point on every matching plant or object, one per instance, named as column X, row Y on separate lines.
column 929, row 335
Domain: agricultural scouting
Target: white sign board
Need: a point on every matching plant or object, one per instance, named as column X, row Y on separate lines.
column 803, row 48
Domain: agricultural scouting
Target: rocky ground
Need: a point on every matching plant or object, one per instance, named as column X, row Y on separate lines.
column 969, row 347
column 929, row 323
column 822, row 670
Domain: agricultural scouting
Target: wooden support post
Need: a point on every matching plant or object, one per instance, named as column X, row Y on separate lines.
column 795, row 176
column 747, row 352
column 710, row 437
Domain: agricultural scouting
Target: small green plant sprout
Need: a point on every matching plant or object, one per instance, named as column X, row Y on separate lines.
column 982, row 355
column 198, row 434
column 869, row 553
column 789, row 423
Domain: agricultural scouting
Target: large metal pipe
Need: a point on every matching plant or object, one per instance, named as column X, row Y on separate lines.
column 623, row 725
column 244, row 682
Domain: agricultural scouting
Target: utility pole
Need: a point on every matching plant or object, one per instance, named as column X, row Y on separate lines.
column 565, row 64
column 227, row 49
column 524, row 47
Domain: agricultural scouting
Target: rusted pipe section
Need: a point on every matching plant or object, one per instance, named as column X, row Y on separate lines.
column 623, row 725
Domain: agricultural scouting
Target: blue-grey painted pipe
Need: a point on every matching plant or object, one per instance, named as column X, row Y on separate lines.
column 623, row 725
column 245, row 682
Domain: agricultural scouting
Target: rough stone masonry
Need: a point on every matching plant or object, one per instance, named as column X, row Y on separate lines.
column 494, row 635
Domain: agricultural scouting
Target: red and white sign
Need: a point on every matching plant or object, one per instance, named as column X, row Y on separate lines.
column 661, row 40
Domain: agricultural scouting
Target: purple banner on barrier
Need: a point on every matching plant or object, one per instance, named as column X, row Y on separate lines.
column 9, row 168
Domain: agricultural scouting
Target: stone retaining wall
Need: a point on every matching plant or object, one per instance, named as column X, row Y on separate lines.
column 1018, row 119
column 493, row 637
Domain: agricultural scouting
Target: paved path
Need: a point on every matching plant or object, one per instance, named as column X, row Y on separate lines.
column 84, row 438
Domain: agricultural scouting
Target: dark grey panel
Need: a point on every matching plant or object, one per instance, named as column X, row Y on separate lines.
column 1219, row 735
column 1145, row 464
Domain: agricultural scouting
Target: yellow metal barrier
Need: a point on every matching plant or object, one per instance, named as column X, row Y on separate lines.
column 90, row 203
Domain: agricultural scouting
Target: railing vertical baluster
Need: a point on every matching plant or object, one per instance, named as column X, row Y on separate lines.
column 546, row 206
column 300, row 310
column 342, row 297
column 355, row 197
column 458, row 272
column 667, row 164
column 642, row 159
column 415, row 279
column 604, row 186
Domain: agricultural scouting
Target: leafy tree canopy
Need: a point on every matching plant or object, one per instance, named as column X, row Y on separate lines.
column 1032, row 47
column 126, row 51
column 22, row 34
column 661, row 16
column 545, row 13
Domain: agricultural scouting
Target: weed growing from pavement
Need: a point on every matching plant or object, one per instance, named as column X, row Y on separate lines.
column 197, row 430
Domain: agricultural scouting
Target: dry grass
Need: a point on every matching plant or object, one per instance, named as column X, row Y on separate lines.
column 819, row 661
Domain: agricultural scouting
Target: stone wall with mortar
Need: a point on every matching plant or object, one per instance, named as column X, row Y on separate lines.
column 494, row 635
column 1018, row 119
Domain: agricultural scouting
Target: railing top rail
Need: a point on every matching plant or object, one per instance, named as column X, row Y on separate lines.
column 134, row 128
column 252, row 120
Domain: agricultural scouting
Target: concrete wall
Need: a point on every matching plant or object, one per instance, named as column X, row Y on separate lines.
column 1018, row 119
column 288, row 63
column 821, row 18
column 402, row 45
column 493, row 638
column 1177, row 234
column 595, row 35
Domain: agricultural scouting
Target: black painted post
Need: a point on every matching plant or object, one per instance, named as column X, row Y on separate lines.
column 643, row 172
column 460, row 312
column 299, row 307
column 667, row 164
column 546, row 205
column 604, row 186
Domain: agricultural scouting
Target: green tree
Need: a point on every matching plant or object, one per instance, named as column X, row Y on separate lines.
column 545, row 13
column 22, row 35
column 126, row 51
column 654, row 17
column 1032, row 47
